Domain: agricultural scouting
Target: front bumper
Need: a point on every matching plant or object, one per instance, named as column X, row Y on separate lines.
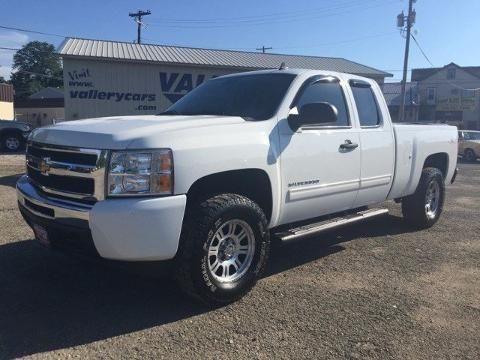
column 131, row 229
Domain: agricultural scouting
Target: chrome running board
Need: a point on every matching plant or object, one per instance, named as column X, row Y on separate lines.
column 329, row 224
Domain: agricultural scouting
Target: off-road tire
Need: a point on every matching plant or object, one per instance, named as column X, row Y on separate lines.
column 201, row 223
column 470, row 155
column 413, row 206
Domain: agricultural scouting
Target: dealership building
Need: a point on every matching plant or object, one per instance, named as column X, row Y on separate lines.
column 108, row 78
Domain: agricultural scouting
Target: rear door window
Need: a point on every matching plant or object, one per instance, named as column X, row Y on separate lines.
column 367, row 107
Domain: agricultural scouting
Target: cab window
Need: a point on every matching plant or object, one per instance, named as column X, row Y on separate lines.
column 326, row 90
column 367, row 107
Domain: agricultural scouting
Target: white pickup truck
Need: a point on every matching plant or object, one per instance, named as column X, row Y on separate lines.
column 239, row 160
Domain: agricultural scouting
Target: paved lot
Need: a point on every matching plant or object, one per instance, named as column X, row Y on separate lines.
column 376, row 290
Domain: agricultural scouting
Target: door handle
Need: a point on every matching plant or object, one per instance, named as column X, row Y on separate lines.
column 348, row 145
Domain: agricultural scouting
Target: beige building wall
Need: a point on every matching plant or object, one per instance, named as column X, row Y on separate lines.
column 40, row 116
column 6, row 110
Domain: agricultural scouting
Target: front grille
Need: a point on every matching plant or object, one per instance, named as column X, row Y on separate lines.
column 68, row 157
column 66, row 172
column 63, row 183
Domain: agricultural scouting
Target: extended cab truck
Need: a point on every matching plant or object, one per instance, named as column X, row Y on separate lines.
column 240, row 159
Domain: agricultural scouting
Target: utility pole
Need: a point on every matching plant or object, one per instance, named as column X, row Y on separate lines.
column 410, row 20
column 138, row 19
column 263, row 48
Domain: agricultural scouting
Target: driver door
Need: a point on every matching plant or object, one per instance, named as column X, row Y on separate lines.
column 319, row 175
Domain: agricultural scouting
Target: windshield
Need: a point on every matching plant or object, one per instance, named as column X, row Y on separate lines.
column 253, row 97
column 471, row 136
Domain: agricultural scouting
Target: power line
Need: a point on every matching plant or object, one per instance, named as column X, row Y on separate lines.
column 30, row 31
column 7, row 48
column 317, row 45
column 421, row 50
column 264, row 16
column 428, row 60
column 286, row 19
column 338, row 42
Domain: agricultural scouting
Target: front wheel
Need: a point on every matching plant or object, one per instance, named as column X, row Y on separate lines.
column 423, row 208
column 223, row 250
column 11, row 142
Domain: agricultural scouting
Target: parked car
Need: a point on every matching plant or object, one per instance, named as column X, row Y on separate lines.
column 240, row 159
column 469, row 144
column 13, row 134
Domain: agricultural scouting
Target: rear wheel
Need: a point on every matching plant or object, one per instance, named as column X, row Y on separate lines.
column 11, row 142
column 423, row 208
column 470, row 155
column 223, row 250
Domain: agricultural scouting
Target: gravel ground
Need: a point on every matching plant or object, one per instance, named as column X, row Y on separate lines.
column 375, row 290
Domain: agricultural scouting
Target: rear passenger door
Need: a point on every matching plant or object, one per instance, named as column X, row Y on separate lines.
column 377, row 143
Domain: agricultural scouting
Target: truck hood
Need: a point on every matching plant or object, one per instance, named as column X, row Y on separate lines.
column 120, row 132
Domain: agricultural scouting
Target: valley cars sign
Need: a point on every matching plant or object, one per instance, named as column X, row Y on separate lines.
column 97, row 89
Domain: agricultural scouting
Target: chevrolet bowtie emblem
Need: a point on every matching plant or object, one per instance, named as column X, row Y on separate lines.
column 44, row 166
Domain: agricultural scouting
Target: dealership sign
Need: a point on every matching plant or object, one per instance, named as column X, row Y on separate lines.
column 85, row 89
column 172, row 85
column 175, row 85
column 457, row 103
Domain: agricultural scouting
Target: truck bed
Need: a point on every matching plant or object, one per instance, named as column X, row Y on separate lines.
column 414, row 143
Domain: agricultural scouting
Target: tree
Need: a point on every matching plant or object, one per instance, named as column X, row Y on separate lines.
column 2, row 80
column 36, row 66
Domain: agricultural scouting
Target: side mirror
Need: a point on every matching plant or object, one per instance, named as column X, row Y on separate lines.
column 317, row 113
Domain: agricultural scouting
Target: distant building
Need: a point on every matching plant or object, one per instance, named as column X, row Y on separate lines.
column 105, row 78
column 449, row 94
column 392, row 93
column 41, row 108
column 6, row 102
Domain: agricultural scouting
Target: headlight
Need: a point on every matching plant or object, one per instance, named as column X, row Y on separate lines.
column 140, row 173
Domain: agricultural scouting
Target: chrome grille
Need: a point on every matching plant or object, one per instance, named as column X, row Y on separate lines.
column 67, row 172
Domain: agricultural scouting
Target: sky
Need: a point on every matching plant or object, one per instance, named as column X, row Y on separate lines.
column 359, row 30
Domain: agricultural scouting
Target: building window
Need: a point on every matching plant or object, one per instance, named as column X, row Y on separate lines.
column 468, row 93
column 451, row 73
column 431, row 96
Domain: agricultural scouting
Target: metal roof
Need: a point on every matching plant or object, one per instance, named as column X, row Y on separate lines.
column 115, row 50
column 392, row 93
column 422, row 74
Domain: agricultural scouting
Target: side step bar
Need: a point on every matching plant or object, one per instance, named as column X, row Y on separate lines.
column 321, row 226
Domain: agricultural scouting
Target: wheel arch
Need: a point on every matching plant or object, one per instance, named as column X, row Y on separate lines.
column 439, row 161
column 253, row 183
column 4, row 132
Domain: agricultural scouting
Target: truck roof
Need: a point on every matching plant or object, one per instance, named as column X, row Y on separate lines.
column 296, row 72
